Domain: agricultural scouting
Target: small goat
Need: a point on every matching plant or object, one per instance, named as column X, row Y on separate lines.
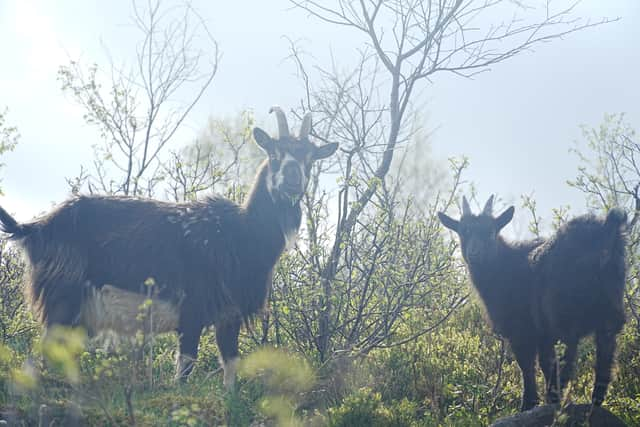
column 538, row 292
column 211, row 261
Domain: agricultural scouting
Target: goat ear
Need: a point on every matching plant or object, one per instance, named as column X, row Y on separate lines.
column 324, row 151
column 263, row 140
column 505, row 217
column 448, row 222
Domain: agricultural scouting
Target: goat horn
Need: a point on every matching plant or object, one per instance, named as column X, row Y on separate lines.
column 305, row 128
column 466, row 210
column 283, row 126
column 488, row 207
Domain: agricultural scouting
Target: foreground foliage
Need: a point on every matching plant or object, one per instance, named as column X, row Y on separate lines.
column 461, row 374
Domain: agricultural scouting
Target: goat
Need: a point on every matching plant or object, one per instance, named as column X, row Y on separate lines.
column 211, row 261
column 539, row 292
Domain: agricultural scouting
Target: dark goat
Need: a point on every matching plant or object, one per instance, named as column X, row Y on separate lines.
column 211, row 261
column 538, row 292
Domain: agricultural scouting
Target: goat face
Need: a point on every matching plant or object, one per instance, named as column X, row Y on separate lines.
column 478, row 233
column 290, row 158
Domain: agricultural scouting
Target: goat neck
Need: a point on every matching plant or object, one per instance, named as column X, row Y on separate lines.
column 498, row 277
column 274, row 222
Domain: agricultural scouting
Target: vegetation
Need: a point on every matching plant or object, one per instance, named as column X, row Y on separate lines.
column 371, row 320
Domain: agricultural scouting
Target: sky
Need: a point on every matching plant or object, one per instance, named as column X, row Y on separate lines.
column 516, row 123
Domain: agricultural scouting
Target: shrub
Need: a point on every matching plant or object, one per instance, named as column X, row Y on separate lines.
column 365, row 408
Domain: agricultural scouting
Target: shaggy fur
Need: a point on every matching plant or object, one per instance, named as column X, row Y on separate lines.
column 538, row 292
column 211, row 262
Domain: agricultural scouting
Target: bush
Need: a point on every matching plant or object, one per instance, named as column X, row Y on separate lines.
column 365, row 408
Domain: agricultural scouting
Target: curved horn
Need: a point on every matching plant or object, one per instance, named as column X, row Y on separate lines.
column 305, row 128
column 283, row 126
column 466, row 210
column 488, row 207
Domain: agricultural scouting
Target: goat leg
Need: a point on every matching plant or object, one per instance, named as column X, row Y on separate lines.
column 227, row 340
column 547, row 361
column 526, row 358
column 189, row 338
column 605, row 349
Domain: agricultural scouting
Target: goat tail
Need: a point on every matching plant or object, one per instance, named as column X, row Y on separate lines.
column 616, row 219
column 9, row 225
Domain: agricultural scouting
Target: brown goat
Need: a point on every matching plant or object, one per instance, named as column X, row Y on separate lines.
column 538, row 292
column 211, row 261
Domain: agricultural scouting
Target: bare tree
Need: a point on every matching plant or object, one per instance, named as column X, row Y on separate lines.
column 394, row 268
column 368, row 110
column 137, row 108
column 223, row 160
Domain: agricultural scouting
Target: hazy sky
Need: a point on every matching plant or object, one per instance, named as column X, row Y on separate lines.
column 516, row 123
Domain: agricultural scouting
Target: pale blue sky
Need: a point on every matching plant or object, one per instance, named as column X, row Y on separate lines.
column 515, row 123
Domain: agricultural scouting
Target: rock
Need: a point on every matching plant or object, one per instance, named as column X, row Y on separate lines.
column 572, row 415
